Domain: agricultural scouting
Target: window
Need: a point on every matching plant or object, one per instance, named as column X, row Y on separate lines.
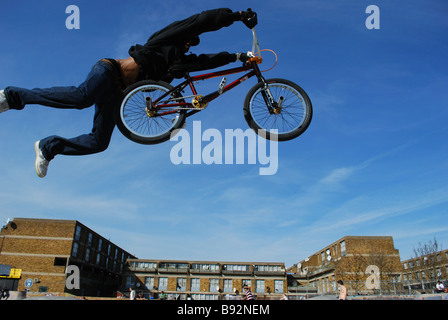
column 100, row 244
column 343, row 248
column 259, row 286
column 278, row 286
column 181, row 284
column 205, row 267
column 267, row 268
column 227, row 285
column 163, row 283
column 75, row 250
column 149, row 283
column 61, row 262
column 143, row 265
column 169, row 265
column 213, row 285
column 89, row 239
column 194, row 284
column 129, row 282
column 78, row 233
column 245, row 283
column 237, row 267
column 98, row 258
column 87, row 254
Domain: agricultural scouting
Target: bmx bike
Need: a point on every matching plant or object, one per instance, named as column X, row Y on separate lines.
column 276, row 109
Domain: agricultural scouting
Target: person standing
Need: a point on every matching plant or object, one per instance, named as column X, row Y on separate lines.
column 249, row 295
column 342, row 290
column 132, row 294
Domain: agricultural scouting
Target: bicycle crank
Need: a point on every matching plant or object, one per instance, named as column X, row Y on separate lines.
column 198, row 103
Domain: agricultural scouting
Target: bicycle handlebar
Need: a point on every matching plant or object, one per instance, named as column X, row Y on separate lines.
column 255, row 44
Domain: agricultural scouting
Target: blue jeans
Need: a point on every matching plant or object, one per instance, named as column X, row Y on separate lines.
column 101, row 88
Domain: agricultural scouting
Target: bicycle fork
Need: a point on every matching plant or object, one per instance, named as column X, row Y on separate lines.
column 274, row 107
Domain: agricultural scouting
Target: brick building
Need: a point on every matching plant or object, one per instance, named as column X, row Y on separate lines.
column 421, row 273
column 205, row 280
column 348, row 260
column 42, row 249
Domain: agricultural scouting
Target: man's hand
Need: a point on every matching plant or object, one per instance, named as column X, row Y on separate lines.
column 249, row 18
column 243, row 57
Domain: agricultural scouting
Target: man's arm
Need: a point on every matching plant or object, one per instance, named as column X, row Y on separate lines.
column 183, row 30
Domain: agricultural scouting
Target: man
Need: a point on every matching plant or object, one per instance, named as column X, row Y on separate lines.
column 249, row 295
column 440, row 287
column 342, row 290
column 163, row 57
column 131, row 294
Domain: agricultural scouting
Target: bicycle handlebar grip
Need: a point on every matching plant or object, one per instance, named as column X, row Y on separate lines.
column 250, row 18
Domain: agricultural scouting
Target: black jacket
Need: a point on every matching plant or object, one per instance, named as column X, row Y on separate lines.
column 166, row 48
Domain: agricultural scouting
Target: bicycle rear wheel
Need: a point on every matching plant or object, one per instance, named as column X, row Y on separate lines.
column 290, row 119
column 139, row 124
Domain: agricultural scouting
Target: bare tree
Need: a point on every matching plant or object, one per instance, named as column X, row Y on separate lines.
column 426, row 255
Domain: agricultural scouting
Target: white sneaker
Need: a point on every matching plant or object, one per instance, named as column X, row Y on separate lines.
column 3, row 102
column 41, row 163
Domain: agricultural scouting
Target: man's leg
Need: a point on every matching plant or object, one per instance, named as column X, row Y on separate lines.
column 83, row 96
column 100, row 88
column 96, row 141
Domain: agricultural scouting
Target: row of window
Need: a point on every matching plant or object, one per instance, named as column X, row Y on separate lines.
column 424, row 261
column 421, row 275
column 228, row 287
column 103, row 254
column 205, row 267
column 332, row 253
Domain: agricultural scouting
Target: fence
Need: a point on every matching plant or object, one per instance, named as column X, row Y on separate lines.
column 383, row 287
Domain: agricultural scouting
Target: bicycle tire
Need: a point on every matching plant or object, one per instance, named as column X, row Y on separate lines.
column 136, row 124
column 292, row 120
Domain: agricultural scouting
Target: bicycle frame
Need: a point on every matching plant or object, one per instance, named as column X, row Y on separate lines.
column 252, row 65
column 189, row 81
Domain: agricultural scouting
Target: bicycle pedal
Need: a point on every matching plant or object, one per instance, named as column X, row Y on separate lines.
column 222, row 85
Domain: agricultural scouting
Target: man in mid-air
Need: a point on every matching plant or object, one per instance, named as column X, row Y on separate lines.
column 163, row 57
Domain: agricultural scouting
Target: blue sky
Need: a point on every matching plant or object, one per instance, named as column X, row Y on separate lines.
column 373, row 162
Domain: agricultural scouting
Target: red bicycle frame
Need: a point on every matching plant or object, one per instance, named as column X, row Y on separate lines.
column 189, row 81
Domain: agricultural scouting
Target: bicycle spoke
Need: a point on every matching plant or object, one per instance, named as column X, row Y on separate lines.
column 138, row 120
column 289, row 118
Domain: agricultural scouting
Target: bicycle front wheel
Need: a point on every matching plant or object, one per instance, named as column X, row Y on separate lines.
column 144, row 126
column 291, row 117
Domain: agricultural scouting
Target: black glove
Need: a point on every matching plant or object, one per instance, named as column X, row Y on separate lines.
column 249, row 18
column 243, row 57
